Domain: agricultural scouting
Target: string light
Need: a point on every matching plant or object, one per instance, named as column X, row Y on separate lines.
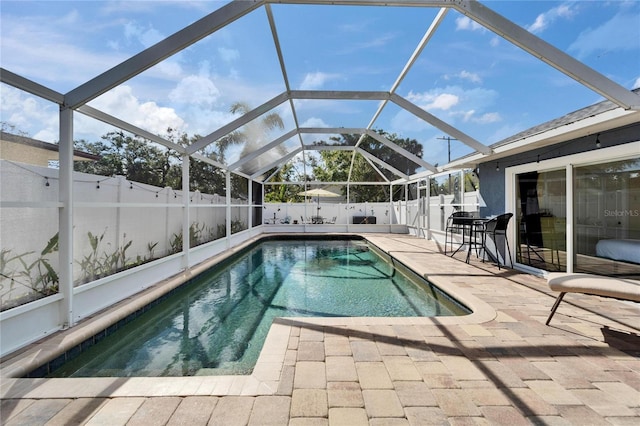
column 598, row 140
column 98, row 185
column 497, row 166
column 46, row 181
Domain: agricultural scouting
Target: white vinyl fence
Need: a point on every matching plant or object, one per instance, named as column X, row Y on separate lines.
column 115, row 222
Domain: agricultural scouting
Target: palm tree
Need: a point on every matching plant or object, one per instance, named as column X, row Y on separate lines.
column 252, row 134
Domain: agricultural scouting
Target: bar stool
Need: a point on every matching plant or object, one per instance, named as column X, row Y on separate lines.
column 453, row 225
column 494, row 227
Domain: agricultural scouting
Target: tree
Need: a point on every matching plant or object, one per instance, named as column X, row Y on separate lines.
column 130, row 156
column 252, row 135
column 282, row 193
column 140, row 160
column 335, row 165
column 203, row 176
column 7, row 127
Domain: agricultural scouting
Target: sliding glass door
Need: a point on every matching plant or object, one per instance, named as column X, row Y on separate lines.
column 578, row 213
column 607, row 217
column 541, row 216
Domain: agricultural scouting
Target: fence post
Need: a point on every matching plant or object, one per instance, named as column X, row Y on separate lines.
column 167, row 214
column 65, row 219
column 228, row 209
column 185, row 211
column 119, row 242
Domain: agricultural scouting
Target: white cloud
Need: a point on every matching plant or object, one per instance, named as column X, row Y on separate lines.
column 490, row 117
column 202, row 120
column 430, row 100
column 354, row 26
column 145, row 36
column 452, row 104
column 70, row 18
column 636, row 85
column 122, row 103
column 443, row 101
column 195, row 90
column 316, row 80
column 228, row 55
column 314, row 122
column 466, row 115
column 170, row 69
column 466, row 24
column 310, row 138
column 29, row 114
column 620, row 33
column 472, row 116
column 465, row 75
column 543, row 20
column 62, row 63
column 149, row 6
column 471, row 76
column 379, row 41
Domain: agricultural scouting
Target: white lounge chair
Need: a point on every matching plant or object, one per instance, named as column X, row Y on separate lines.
column 596, row 285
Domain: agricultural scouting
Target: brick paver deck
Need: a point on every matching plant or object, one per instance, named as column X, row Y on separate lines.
column 500, row 365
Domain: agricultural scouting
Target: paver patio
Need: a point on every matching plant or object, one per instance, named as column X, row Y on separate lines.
column 501, row 365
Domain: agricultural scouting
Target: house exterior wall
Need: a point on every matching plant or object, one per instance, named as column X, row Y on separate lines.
column 30, row 151
column 492, row 181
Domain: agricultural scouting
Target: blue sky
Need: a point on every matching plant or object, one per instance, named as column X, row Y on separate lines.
column 467, row 75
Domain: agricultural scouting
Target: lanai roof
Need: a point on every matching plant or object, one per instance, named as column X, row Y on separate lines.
column 290, row 29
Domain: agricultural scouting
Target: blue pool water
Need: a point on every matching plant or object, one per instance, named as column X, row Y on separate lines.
column 217, row 323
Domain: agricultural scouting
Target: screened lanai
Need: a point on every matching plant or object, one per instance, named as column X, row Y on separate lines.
column 211, row 121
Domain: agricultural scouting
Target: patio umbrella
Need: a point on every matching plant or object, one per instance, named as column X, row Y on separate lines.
column 319, row 192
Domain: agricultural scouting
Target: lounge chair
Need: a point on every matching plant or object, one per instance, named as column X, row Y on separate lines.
column 595, row 285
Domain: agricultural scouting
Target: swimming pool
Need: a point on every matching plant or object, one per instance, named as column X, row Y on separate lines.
column 216, row 324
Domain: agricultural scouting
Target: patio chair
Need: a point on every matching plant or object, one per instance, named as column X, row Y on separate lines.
column 454, row 226
column 494, row 227
column 332, row 221
column 286, row 220
column 542, row 235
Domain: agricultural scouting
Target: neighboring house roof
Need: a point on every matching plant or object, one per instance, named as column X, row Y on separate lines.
column 24, row 140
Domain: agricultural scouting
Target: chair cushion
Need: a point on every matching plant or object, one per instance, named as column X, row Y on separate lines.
column 619, row 288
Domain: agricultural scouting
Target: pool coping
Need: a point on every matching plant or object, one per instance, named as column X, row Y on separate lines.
column 266, row 375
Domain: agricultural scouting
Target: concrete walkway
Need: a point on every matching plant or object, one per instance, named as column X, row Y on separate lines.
column 501, row 365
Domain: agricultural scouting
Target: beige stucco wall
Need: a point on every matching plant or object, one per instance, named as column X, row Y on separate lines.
column 23, row 153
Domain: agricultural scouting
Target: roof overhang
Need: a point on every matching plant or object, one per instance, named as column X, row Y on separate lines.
column 588, row 126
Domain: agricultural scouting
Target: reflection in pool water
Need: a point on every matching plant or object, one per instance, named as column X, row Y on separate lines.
column 217, row 323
